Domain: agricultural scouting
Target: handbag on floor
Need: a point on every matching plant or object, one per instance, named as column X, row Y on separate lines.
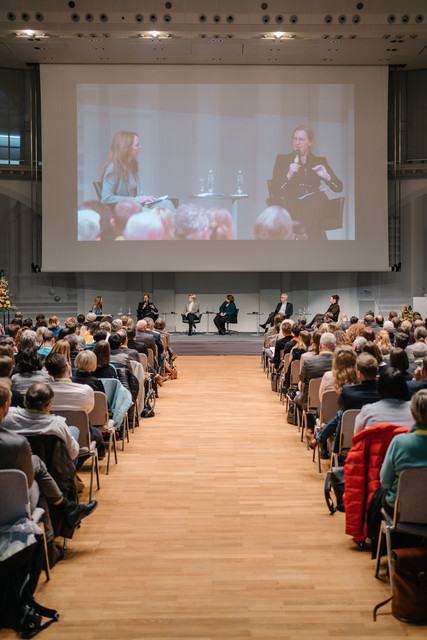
column 334, row 489
column 409, row 600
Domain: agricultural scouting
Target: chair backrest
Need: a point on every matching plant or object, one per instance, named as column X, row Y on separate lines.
column 294, row 374
column 329, row 408
column 77, row 418
column 150, row 357
column 313, row 400
column 347, row 427
column 232, row 319
column 14, row 500
column 144, row 361
column 286, row 361
column 164, row 342
column 411, row 499
column 98, row 189
column 98, row 417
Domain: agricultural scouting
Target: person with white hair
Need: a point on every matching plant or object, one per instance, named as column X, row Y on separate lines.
column 315, row 367
column 144, row 226
column 89, row 226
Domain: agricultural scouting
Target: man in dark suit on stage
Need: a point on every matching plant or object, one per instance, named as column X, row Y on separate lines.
column 284, row 307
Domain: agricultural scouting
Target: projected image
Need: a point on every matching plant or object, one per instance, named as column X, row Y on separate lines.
column 215, row 162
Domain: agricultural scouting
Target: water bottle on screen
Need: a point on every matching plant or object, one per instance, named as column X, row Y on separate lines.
column 210, row 181
column 239, row 182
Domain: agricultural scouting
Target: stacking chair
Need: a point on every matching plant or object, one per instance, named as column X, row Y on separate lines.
column 80, row 419
column 313, row 402
column 294, row 379
column 328, row 409
column 151, row 357
column 144, row 361
column 346, row 436
column 139, row 372
column 281, row 384
column 99, row 418
column 15, row 504
column 410, row 512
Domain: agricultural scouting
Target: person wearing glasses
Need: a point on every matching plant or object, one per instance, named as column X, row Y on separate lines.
column 299, row 182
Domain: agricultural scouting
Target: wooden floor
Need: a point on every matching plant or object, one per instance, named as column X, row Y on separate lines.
column 213, row 526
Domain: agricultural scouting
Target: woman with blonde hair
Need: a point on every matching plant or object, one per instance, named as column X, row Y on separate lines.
column 53, row 325
column 383, row 341
column 85, row 364
column 191, row 312
column 62, row 346
column 343, row 370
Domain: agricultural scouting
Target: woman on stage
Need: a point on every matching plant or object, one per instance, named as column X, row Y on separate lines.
column 97, row 306
column 191, row 312
column 119, row 175
column 299, row 181
column 147, row 308
column 227, row 309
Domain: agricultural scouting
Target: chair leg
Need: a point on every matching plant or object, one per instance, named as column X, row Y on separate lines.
column 109, row 453
column 97, row 470
column 91, row 477
column 380, row 539
column 388, row 539
column 46, row 556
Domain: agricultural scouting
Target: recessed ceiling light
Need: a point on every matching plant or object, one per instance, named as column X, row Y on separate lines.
column 29, row 32
column 155, row 34
column 279, row 34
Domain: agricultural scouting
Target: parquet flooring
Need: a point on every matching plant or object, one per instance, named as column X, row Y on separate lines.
column 213, row 526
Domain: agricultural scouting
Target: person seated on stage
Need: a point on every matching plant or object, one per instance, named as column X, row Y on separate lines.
column 191, row 312
column 221, row 224
column 284, row 307
column 146, row 309
column 36, row 418
column 299, row 180
column 226, row 310
column 406, row 451
column 333, row 309
column 85, row 364
column 393, row 405
column 191, row 223
column 274, row 223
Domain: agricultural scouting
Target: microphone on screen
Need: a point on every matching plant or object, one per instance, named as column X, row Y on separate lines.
column 297, row 156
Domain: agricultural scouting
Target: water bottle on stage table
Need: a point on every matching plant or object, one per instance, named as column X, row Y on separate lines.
column 210, row 181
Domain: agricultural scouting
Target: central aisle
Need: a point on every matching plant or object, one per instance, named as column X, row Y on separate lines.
column 213, row 525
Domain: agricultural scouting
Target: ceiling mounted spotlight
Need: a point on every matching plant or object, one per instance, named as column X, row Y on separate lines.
column 71, row 4
column 167, row 17
column 89, row 17
column 352, row 37
column 11, row 16
column 391, row 18
column 202, row 18
column 230, row 18
column 419, row 18
column 328, row 19
column 266, row 18
column 404, row 18
column 25, row 16
column 293, row 19
column 103, row 17
column 325, row 37
column 75, row 17
column 153, row 17
column 168, row 5
column 342, row 19
column 359, row 6
column 264, row 6
column 279, row 19
column 39, row 16
column 355, row 19
column 139, row 17
column 217, row 18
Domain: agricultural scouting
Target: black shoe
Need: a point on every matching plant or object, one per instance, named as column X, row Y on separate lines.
column 75, row 512
column 324, row 455
column 54, row 553
column 264, row 326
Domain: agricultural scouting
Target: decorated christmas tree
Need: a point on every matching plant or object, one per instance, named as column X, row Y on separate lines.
column 5, row 303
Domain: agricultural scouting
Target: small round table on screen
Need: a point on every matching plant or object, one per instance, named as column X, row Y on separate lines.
column 234, row 198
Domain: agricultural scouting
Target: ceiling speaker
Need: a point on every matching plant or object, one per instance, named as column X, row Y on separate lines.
column 167, row 17
column 153, row 17
column 391, row 18
column 266, row 19
column 75, row 17
column 89, row 17
column 355, row 19
column 11, row 16
column 39, row 16
column 202, row 18
column 139, row 17
column 279, row 19
column 342, row 19
column 328, row 19
column 405, row 18
column 217, row 18
column 293, row 19
column 103, row 17
column 25, row 16
column 230, row 18
column 419, row 18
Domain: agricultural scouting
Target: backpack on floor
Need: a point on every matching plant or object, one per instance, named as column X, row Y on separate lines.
column 334, row 489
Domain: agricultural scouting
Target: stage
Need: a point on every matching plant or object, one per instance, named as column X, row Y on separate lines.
column 203, row 344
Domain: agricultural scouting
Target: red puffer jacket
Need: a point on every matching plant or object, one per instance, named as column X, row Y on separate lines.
column 362, row 474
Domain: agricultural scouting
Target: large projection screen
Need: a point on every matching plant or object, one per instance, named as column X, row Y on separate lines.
column 236, row 120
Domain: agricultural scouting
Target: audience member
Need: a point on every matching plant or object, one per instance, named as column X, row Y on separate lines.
column 274, row 223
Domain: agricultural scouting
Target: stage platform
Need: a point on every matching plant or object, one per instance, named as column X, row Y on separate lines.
column 203, row 344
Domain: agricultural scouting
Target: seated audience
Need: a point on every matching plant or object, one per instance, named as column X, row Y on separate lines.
column 274, row 223
column 399, row 360
column 406, row 451
column 104, row 368
column 144, row 226
column 48, row 342
column 85, row 364
column 393, row 405
column 28, row 370
column 221, row 224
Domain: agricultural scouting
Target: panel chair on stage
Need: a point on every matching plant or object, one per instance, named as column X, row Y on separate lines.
column 195, row 321
column 232, row 319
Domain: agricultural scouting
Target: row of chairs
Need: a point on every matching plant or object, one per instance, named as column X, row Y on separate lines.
column 410, row 513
